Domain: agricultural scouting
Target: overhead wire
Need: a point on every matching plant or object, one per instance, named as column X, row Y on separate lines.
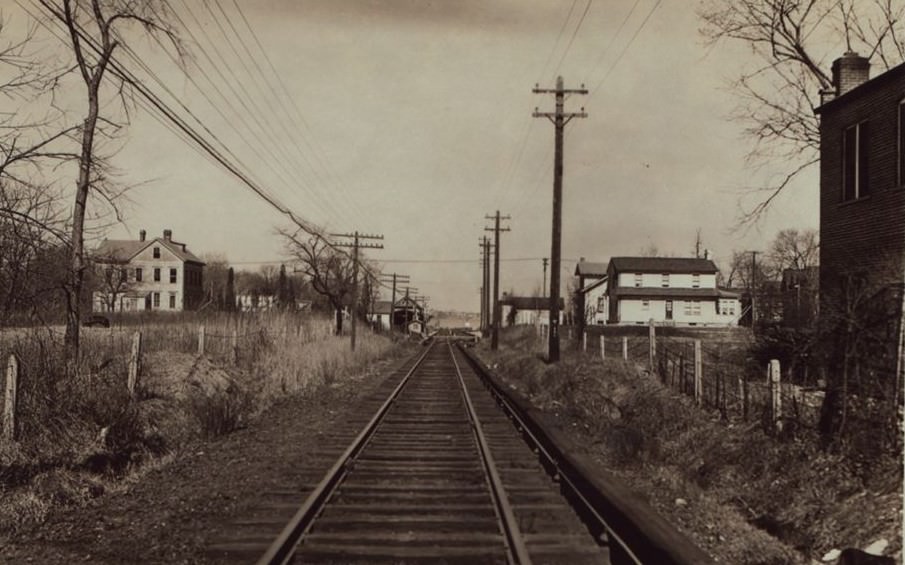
column 574, row 35
column 626, row 48
column 117, row 70
column 298, row 117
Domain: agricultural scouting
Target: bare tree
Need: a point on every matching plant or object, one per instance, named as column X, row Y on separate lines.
column 95, row 31
column 329, row 271
column 792, row 43
column 794, row 249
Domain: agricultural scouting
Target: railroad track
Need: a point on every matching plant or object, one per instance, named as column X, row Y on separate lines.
column 441, row 475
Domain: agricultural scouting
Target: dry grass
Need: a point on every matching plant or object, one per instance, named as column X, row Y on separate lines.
column 751, row 498
column 81, row 435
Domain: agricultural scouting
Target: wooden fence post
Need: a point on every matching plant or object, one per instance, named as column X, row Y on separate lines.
column 776, row 390
column 625, row 348
column 652, row 344
column 235, row 344
column 698, row 373
column 584, row 341
column 9, row 398
column 602, row 347
column 134, row 363
column 201, row 340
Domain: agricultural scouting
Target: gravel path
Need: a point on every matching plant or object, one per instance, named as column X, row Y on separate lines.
column 173, row 511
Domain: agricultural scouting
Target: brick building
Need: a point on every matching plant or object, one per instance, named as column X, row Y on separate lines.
column 862, row 203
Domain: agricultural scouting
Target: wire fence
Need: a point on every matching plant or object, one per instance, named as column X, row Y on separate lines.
column 720, row 375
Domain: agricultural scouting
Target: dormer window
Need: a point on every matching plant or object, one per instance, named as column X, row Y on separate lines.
column 157, row 253
column 664, row 280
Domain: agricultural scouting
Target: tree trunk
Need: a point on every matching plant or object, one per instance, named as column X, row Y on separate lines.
column 339, row 321
column 77, row 257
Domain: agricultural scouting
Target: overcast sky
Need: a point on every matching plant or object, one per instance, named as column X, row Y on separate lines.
column 417, row 123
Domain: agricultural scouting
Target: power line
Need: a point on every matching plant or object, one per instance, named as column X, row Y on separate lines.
column 543, row 71
column 612, row 40
column 574, row 34
column 627, row 45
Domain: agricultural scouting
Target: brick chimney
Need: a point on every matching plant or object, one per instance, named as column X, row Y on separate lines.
column 142, row 234
column 849, row 71
column 167, row 235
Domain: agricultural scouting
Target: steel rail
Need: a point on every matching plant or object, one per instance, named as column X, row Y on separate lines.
column 518, row 552
column 564, row 469
column 282, row 549
column 553, row 462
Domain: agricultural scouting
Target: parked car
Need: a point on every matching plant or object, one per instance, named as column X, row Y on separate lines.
column 96, row 321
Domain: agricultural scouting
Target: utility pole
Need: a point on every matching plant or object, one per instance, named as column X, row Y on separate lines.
column 559, row 119
column 495, row 335
column 485, row 288
column 356, row 245
column 395, row 279
column 543, row 291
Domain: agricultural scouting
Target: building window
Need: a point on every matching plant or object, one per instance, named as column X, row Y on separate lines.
column 138, row 274
column 172, row 275
column 664, row 280
column 638, row 279
column 157, row 253
column 695, row 281
column 854, row 162
column 156, row 300
column 156, row 274
column 645, row 304
column 172, row 302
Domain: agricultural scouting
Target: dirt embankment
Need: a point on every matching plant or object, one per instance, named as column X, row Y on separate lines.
column 744, row 497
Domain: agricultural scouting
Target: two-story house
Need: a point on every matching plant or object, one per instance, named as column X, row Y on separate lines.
column 862, row 206
column 591, row 297
column 156, row 274
column 668, row 290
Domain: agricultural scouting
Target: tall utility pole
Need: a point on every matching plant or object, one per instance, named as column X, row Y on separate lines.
column 543, row 291
column 485, row 285
column 559, row 119
column 495, row 336
column 394, row 279
column 356, row 245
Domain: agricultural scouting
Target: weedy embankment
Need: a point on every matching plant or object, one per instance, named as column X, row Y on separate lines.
column 744, row 496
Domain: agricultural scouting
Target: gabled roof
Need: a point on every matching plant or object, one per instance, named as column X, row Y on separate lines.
column 663, row 265
column 123, row 250
column 529, row 302
column 590, row 269
column 593, row 284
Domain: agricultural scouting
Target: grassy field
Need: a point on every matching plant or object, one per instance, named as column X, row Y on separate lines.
column 743, row 495
column 80, row 435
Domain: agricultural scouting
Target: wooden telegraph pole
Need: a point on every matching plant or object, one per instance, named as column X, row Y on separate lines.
column 559, row 119
column 394, row 279
column 356, row 245
column 495, row 335
column 485, row 284
column 543, row 291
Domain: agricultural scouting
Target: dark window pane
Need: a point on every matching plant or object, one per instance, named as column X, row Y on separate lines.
column 849, row 153
column 863, row 152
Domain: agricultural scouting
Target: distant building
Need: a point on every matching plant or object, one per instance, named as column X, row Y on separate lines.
column 591, row 292
column 156, row 274
column 407, row 313
column 668, row 290
column 862, row 201
column 527, row 310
